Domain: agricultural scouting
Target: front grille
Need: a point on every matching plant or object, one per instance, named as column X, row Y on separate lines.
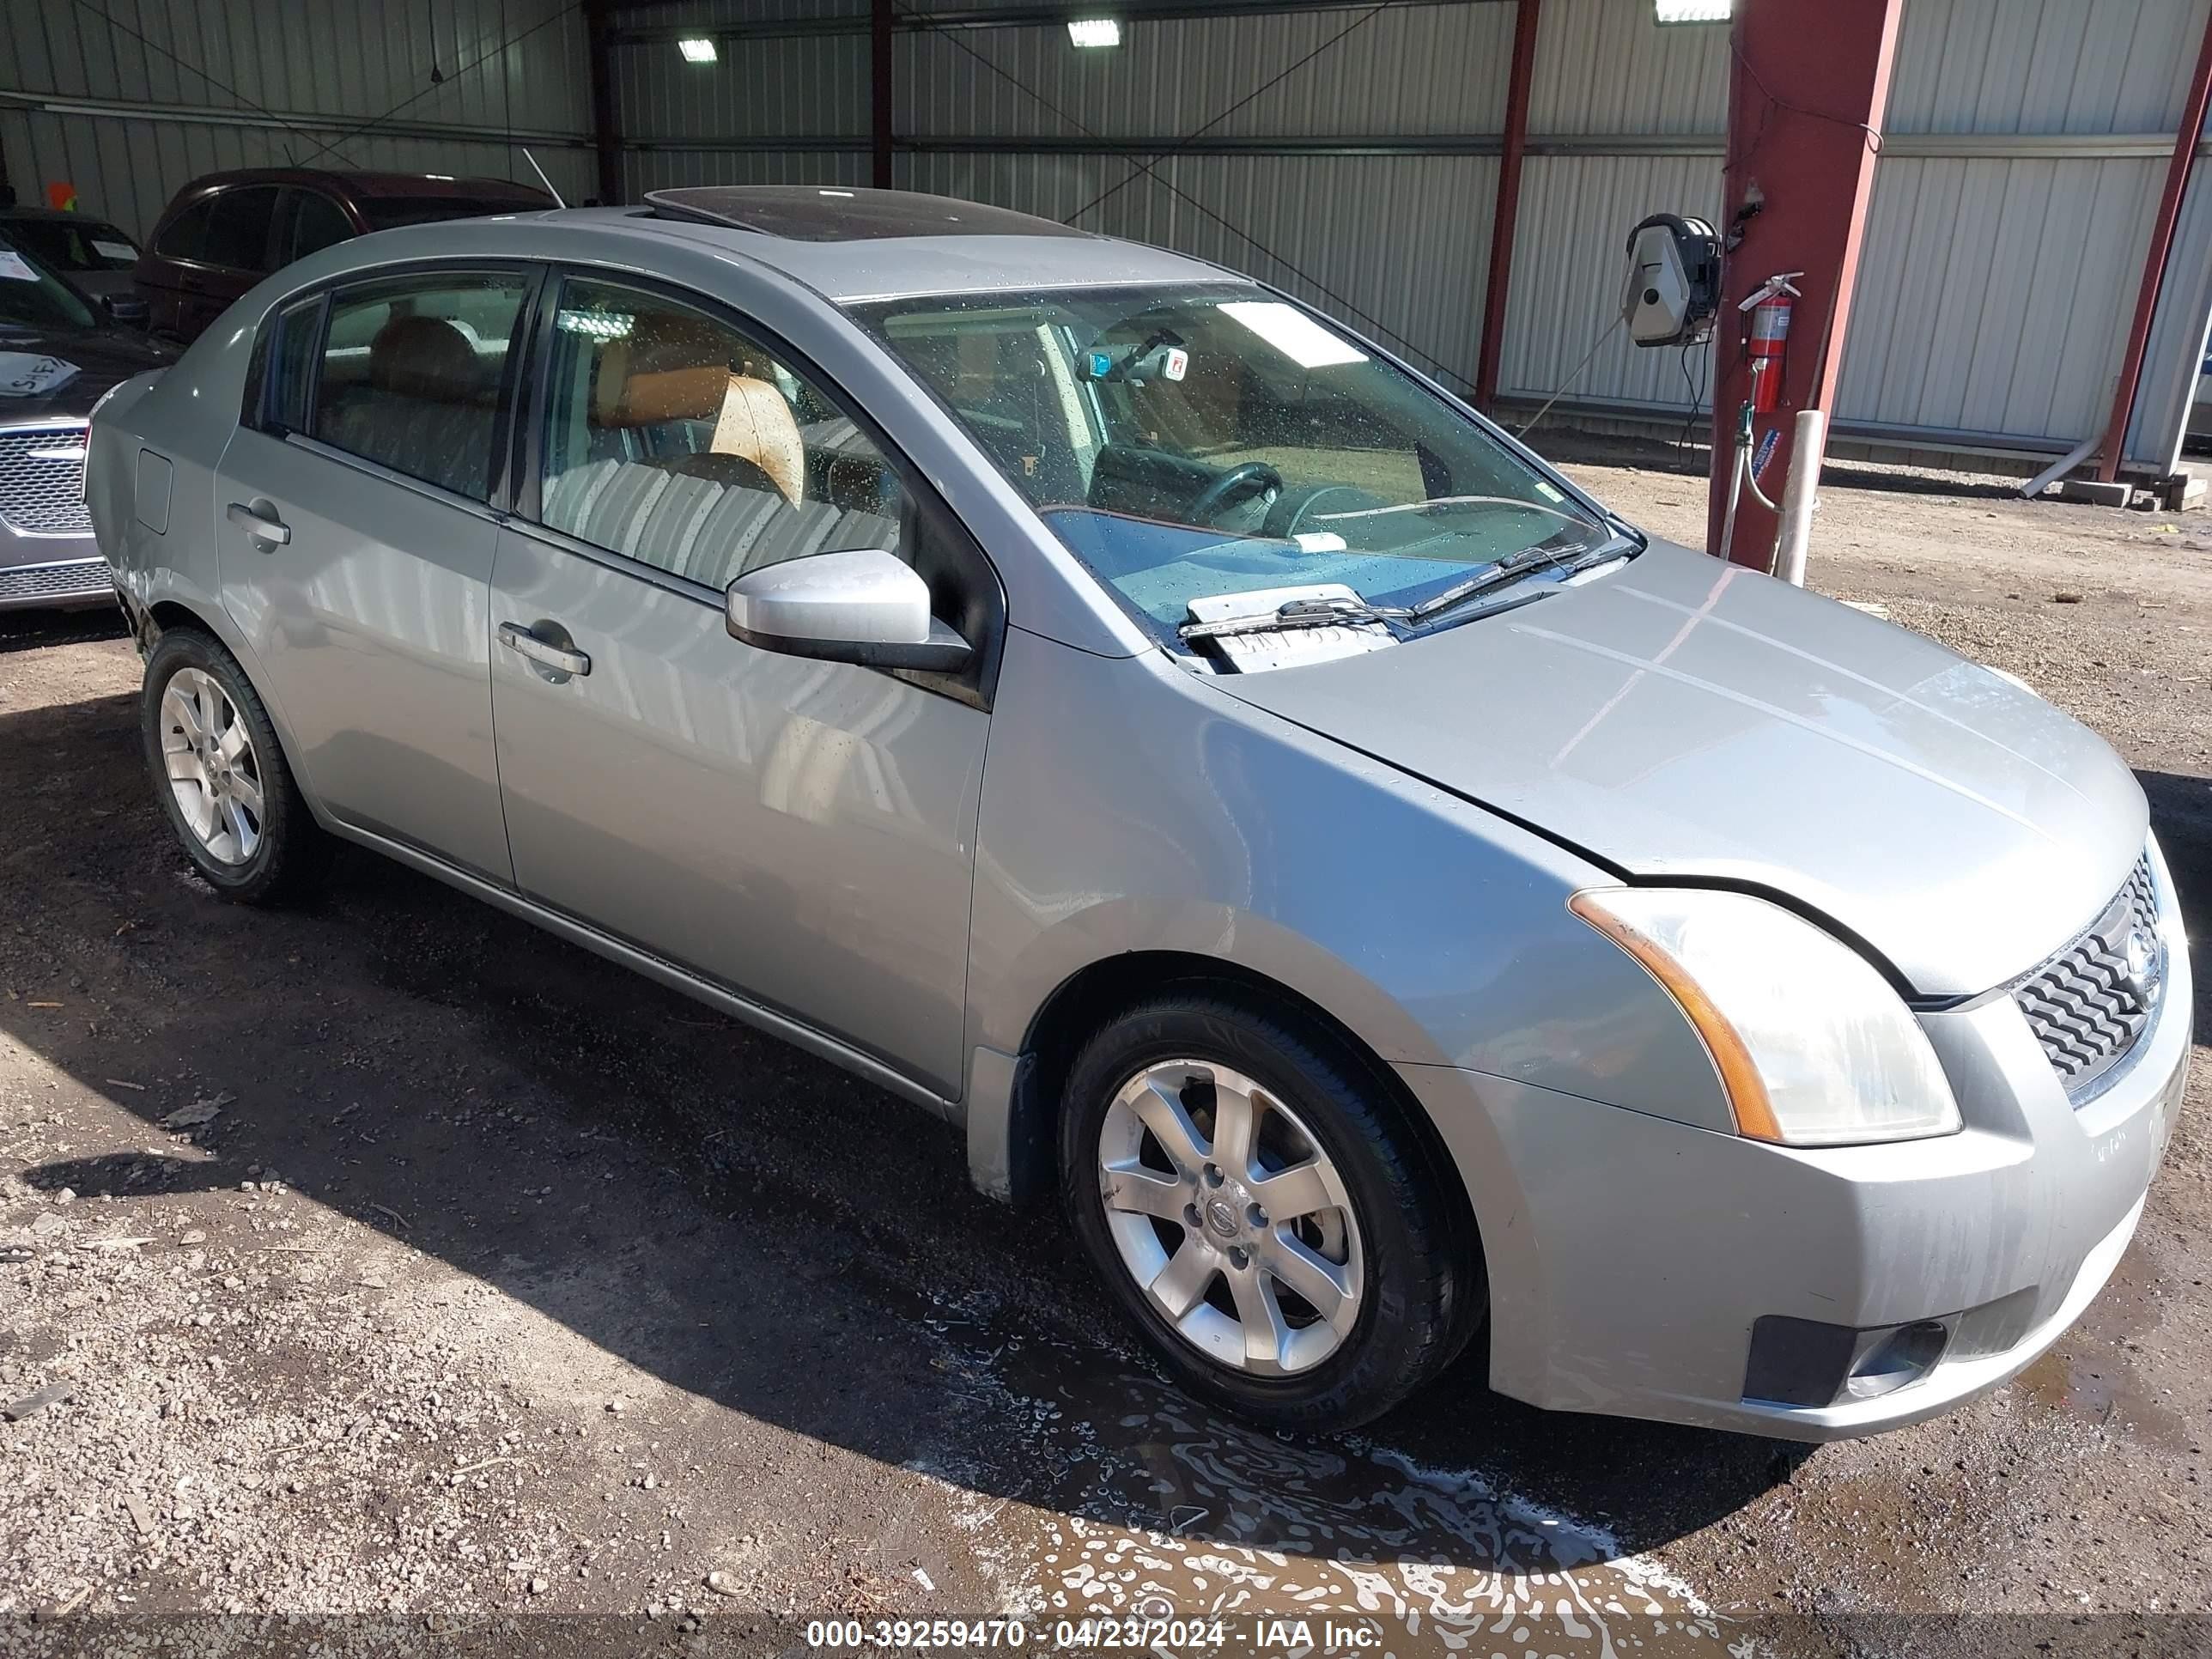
column 35, row 584
column 2090, row 1003
column 42, row 480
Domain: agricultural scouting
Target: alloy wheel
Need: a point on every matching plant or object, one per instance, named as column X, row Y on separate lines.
column 1231, row 1216
column 213, row 770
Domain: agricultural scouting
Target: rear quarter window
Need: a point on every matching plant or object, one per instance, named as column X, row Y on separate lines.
column 184, row 236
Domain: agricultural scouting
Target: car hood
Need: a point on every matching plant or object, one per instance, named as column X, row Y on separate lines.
column 1681, row 718
column 100, row 360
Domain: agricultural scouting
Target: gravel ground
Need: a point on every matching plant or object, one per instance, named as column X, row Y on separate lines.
column 412, row 1276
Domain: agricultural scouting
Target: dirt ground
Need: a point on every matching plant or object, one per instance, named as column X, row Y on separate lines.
column 411, row 1275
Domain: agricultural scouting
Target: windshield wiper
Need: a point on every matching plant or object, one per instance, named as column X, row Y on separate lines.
column 1297, row 613
column 1507, row 571
column 1573, row 517
column 1337, row 612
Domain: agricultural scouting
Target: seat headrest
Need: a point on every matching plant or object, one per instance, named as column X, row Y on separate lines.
column 756, row 423
column 422, row 357
column 668, row 368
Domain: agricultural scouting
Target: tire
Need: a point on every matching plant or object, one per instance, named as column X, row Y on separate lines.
column 1380, row 1227
column 221, row 775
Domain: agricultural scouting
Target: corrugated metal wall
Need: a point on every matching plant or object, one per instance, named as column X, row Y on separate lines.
column 2004, row 238
column 127, row 99
column 1399, row 244
column 1347, row 155
column 2012, row 202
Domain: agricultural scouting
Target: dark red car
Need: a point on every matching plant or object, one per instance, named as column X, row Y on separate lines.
column 224, row 232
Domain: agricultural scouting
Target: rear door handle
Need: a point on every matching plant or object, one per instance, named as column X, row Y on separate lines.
column 516, row 637
column 262, row 525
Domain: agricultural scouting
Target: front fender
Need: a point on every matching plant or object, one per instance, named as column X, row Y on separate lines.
column 1128, row 806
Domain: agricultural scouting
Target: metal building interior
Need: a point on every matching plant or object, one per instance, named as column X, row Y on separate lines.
column 1352, row 154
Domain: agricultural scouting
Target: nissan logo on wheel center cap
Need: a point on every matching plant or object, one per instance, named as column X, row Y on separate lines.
column 1221, row 1217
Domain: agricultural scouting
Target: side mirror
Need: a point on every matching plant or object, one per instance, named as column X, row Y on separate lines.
column 866, row 606
column 127, row 310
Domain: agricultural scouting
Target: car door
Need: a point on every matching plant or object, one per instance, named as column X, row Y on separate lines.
column 801, row 832
column 169, row 268
column 356, row 533
column 211, row 254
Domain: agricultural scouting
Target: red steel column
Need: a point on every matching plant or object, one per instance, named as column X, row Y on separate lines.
column 1807, row 86
column 1527, row 17
column 2162, row 245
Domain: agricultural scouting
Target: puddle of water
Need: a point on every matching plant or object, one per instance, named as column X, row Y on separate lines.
column 1140, row 1503
column 2089, row 1375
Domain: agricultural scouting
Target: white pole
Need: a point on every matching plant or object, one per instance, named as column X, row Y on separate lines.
column 1799, row 496
column 2064, row 464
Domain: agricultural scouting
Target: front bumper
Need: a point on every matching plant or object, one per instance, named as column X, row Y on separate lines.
column 1631, row 1257
column 37, row 571
column 47, row 556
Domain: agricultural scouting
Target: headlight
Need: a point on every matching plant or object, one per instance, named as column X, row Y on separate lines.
column 1812, row 1047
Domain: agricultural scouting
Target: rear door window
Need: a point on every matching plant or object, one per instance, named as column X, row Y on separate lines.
column 184, row 236
column 318, row 222
column 413, row 374
column 237, row 235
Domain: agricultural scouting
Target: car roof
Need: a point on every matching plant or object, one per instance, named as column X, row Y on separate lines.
column 852, row 245
column 67, row 216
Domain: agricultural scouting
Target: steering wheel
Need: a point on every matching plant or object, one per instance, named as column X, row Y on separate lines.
column 1247, row 478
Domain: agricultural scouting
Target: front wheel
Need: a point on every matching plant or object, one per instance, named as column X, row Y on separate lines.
column 1264, row 1218
column 220, row 777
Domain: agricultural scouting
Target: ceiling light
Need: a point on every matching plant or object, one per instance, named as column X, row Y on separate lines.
column 1693, row 11
column 1094, row 31
column 595, row 325
column 697, row 49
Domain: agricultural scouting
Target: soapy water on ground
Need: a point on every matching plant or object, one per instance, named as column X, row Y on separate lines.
column 1146, row 1507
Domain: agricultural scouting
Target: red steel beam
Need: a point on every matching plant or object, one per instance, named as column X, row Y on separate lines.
column 1807, row 86
column 1527, row 17
column 2162, row 246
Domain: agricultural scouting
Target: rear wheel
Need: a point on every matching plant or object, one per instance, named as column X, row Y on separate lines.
column 1261, row 1214
column 220, row 776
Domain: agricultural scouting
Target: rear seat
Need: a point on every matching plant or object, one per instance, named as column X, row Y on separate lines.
column 710, row 533
column 448, row 445
column 427, row 410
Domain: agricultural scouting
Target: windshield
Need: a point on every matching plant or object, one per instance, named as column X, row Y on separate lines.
column 33, row 297
column 73, row 244
column 1219, row 441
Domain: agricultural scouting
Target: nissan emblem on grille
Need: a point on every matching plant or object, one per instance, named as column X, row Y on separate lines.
column 2090, row 1003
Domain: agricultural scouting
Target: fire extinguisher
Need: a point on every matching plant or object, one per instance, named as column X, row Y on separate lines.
column 1768, row 308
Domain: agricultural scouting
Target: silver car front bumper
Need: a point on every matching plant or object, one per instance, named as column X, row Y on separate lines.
column 1637, row 1263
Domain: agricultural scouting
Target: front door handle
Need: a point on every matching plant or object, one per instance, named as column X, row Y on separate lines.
column 516, row 637
column 260, row 524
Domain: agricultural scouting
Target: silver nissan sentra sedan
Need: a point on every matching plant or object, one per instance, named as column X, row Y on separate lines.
column 1388, row 900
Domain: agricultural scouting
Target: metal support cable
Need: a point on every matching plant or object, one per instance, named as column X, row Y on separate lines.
column 468, row 68
column 1147, row 168
column 223, row 87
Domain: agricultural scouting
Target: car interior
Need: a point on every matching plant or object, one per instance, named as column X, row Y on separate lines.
column 697, row 455
column 421, row 398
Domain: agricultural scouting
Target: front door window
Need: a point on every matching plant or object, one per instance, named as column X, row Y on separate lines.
column 673, row 440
